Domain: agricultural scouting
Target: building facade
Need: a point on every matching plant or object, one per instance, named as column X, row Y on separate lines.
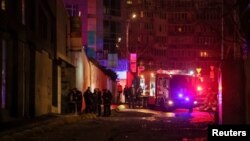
column 27, row 52
column 176, row 34
column 42, row 58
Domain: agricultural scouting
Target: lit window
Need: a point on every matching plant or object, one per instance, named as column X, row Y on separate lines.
column 203, row 54
column 142, row 14
column 73, row 10
column 179, row 29
column 3, row 5
column 23, row 11
column 3, row 74
column 129, row 2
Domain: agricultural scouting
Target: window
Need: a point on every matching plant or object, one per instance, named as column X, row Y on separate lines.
column 43, row 25
column 3, row 74
column 129, row 2
column 207, row 41
column 149, row 26
column 141, row 14
column 23, row 11
column 203, row 54
column 113, row 7
column 3, row 6
column 177, row 17
column 181, row 29
column 72, row 9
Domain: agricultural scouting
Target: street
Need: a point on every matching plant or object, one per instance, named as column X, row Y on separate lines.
column 130, row 125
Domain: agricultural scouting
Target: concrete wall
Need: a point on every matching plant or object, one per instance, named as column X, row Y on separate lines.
column 43, row 80
column 79, row 72
column 63, row 81
column 94, row 76
column 86, row 72
column 98, row 79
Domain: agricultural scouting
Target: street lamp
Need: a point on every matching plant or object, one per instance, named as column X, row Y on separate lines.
column 127, row 35
column 133, row 16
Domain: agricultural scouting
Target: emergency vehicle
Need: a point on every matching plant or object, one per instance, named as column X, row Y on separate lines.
column 174, row 89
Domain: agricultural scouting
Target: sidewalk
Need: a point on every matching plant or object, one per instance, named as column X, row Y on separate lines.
column 18, row 129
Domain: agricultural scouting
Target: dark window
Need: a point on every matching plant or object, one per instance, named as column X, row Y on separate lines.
column 43, row 27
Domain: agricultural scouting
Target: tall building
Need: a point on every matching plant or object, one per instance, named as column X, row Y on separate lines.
column 102, row 33
column 101, row 28
column 176, row 34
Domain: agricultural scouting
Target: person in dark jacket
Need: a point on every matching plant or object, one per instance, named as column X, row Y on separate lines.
column 107, row 98
column 126, row 93
column 99, row 102
column 88, row 100
column 79, row 98
column 132, row 97
column 72, row 100
column 95, row 100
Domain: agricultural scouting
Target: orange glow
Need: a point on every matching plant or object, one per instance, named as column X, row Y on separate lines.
column 152, row 74
column 198, row 70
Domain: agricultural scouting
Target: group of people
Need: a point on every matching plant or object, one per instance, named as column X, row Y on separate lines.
column 75, row 100
column 133, row 96
column 96, row 99
column 93, row 101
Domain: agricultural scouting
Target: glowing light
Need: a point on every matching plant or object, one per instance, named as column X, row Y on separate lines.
column 199, row 88
column 119, row 39
column 129, row 2
column 191, row 72
column 134, row 15
column 198, row 70
column 152, row 74
column 3, row 6
column 220, row 88
column 121, row 107
column 180, row 95
column 170, row 102
column 195, row 102
column 121, row 74
column 179, row 29
column 187, row 98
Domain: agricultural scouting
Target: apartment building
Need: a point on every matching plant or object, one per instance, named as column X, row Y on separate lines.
column 176, row 34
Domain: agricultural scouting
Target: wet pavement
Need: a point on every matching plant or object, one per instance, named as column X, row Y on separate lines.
column 124, row 124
